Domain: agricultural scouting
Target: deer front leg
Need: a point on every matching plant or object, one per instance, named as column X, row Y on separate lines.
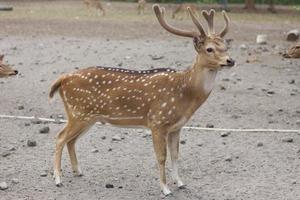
column 160, row 148
column 173, row 144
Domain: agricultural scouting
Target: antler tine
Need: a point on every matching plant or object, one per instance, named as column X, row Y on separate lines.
column 225, row 29
column 209, row 16
column 159, row 12
column 196, row 22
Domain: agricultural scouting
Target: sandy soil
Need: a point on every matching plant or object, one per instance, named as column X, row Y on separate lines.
column 43, row 41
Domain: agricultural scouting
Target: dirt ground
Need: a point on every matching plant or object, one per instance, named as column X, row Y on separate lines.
column 45, row 39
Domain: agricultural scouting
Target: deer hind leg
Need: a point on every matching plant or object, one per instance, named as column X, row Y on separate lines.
column 71, row 131
column 160, row 148
column 173, row 145
column 73, row 158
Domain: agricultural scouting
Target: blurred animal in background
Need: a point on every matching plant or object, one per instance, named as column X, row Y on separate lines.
column 6, row 70
column 182, row 8
column 293, row 51
column 96, row 4
column 141, row 6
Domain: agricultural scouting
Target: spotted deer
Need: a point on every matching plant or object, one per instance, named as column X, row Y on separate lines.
column 94, row 3
column 293, row 51
column 141, row 6
column 183, row 8
column 161, row 100
column 6, row 70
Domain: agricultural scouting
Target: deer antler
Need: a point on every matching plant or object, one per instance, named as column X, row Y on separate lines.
column 209, row 16
column 225, row 29
column 159, row 12
column 196, row 22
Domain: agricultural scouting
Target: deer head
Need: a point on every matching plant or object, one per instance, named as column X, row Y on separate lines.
column 6, row 70
column 293, row 52
column 210, row 46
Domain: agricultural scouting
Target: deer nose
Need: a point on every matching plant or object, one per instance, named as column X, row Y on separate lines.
column 230, row 62
column 16, row 72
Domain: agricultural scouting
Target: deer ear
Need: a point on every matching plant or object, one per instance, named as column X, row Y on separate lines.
column 198, row 43
column 1, row 58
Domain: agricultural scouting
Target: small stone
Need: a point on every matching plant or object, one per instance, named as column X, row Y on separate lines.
column 225, row 134
column 228, row 158
column 110, row 149
column 261, row 39
column 95, row 150
column 182, row 142
column 103, row 137
column 15, row 181
column 108, row 185
column 5, row 154
column 209, row 125
column 271, row 92
column 31, row 143
column 44, row 130
column 27, row 124
column 155, row 57
column 292, row 81
column 260, row 144
column 20, row 107
column 43, row 174
column 288, row 140
column 243, row 47
column 3, row 186
column 36, row 121
column 116, row 138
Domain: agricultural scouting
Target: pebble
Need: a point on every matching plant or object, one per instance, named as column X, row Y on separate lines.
column 43, row 174
column 15, row 181
column 108, row 185
column 182, row 142
column 228, row 158
column 44, row 130
column 103, row 137
column 95, row 150
column 225, row 134
column 5, row 154
column 27, row 124
column 243, row 47
column 20, row 107
column 3, row 186
column 209, row 125
column 36, row 121
column 292, row 81
column 31, row 143
column 116, row 138
column 260, row 144
column 288, row 140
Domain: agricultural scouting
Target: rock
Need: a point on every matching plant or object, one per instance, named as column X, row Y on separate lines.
column 225, row 134
column 15, row 181
column 261, row 39
column 116, row 138
column 292, row 35
column 44, row 130
column 182, row 142
column 31, row 143
column 103, row 137
column 36, row 121
column 270, row 92
column 3, row 186
column 108, row 185
column 243, row 47
column 43, row 174
column 228, row 158
column 288, row 140
column 209, row 125
column 95, row 150
column 292, row 81
column 156, row 57
column 20, row 107
column 260, row 144
column 5, row 154
column 27, row 124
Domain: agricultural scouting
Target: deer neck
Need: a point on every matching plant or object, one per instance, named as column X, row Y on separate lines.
column 200, row 80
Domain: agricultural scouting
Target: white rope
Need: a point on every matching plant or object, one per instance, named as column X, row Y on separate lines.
column 185, row 127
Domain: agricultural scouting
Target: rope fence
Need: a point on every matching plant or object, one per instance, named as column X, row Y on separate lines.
column 185, row 127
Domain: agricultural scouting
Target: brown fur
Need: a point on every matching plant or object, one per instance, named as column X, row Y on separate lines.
column 293, row 51
column 6, row 70
column 161, row 100
column 182, row 8
column 96, row 4
column 141, row 6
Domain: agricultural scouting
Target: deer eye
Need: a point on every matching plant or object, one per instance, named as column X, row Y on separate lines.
column 209, row 50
